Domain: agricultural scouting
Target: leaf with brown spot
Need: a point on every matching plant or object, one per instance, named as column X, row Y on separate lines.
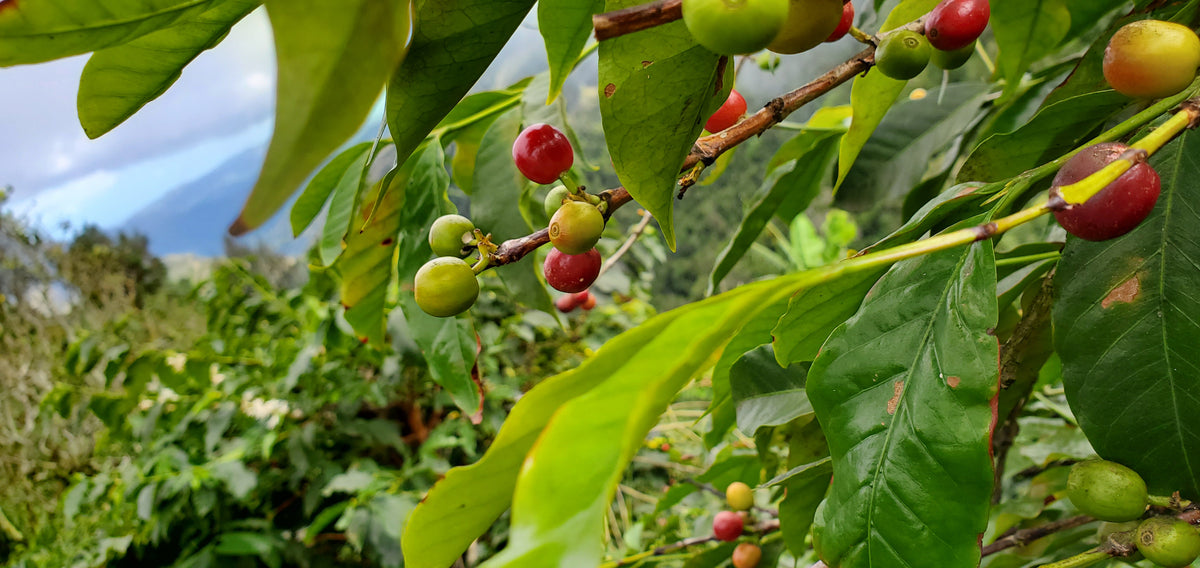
column 1126, row 293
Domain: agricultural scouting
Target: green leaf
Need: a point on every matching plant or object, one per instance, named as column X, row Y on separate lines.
column 313, row 198
column 238, row 478
column 1026, row 31
column 806, row 487
column 333, row 59
column 899, row 152
column 341, row 210
column 366, row 268
column 246, row 544
column 565, row 26
column 874, row 93
column 813, row 314
column 795, row 184
column 1052, row 132
column 496, row 208
column 1125, row 326
column 765, row 393
column 903, row 391
column 756, row 332
column 118, row 81
column 34, row 31
column 657, row 87
column 454, row 42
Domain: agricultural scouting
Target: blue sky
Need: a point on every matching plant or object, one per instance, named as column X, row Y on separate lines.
column 221, row 105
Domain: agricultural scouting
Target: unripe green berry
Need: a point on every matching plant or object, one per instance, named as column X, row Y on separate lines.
column 903, row 55
column 1168, row 542
column 952, row 59
column 555, row 198
column 575, row 228
column 450, row 234
column 445, row 287
column 1107, row 490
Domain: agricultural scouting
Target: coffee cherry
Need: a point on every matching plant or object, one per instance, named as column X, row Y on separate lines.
column 843, row 26
column 952, row 59
column 746, row 555
column 589, row 302
column 554, row 199
column 1168, row 542
column 902, row 55
column 450, row 234
column 543, row 153
column 1117, row 208
column 1106, row 490
column 568, row 303
column 576, row 227
column 1151, row 59
column 954, row 24
column 446, row 287
column 727, row 526
column 809, row 23
column 733, row 27
column 571, row 272
column 729, row 113
column 739, row 496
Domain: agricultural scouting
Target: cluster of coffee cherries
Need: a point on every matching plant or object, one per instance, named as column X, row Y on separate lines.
column 447, row 285
column 1114, row 493
column 951, row 31
column 728, row 525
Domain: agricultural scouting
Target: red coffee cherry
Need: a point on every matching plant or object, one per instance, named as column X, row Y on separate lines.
column 1151, row 59
column 955, row 23
column 589, row 302
column 728, row 114
column 727, row 526
column 746, row 555
column 567, row 304
column 843, row 26
column 571, row 272
column 1117, row 208
column 543, row 153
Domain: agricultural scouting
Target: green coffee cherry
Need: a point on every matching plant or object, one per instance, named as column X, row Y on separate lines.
column 1168, row 542
column 1107, row 490
column 446, row 287
column 952, row 59
column 903, row 55
column 555, row 198
column 450, row 234
column 575, row 228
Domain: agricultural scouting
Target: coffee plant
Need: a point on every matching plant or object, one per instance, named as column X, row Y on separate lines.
column 934, row 396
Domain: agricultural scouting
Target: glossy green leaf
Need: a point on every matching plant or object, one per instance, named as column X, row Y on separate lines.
column 657, row 88
column 903, row 391
column 874, row 93
column 766, row 394
column 936, row 211
column 1126, row 328
column 317, row 192
column 496, row 208
column 454, row 42
column 333, row 60
column 810, row 471
column 899, row 152
column 366, row 266
column 756, row 332
column 813, row 314
column 33, row 31
column 565, row 26
column 1052, row 132
column 1026, row 31
column 118, row 81
column 797, row 182
column 341, row 209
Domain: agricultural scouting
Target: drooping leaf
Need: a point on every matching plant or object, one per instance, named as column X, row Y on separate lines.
column 874, row 93
column 766, row 394
column 1026, row 31
column 898, row 153
column 454, row 42
column 657, row 88
column 496, row 208
column 367, row 266
column 565, row 26
column 119, row 80
column 797, row 181
column 317, row 192
column 1125, row 327
column 903, row 391
column 1052, row 132
column 33, row 31
column 333, row 59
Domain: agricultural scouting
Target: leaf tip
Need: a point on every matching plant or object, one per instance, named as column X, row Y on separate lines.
column 240, row 227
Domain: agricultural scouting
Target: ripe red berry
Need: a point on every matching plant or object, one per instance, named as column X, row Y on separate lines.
column 746, row 555
column 567, row 304
column 1117, row 208
column 589, row 301
column 543, row 153
column 727, row 526
column 728, row 114
column 955, row 23
column 843, row 26
column 571, row 272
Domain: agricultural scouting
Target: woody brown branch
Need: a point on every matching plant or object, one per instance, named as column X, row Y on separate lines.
column 636, row 18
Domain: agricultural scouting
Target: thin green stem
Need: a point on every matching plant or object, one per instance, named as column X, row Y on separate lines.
column 983, row 56
column 1081, row 560
column 861, row 36
column 1168, row 502
column 1027, row 259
